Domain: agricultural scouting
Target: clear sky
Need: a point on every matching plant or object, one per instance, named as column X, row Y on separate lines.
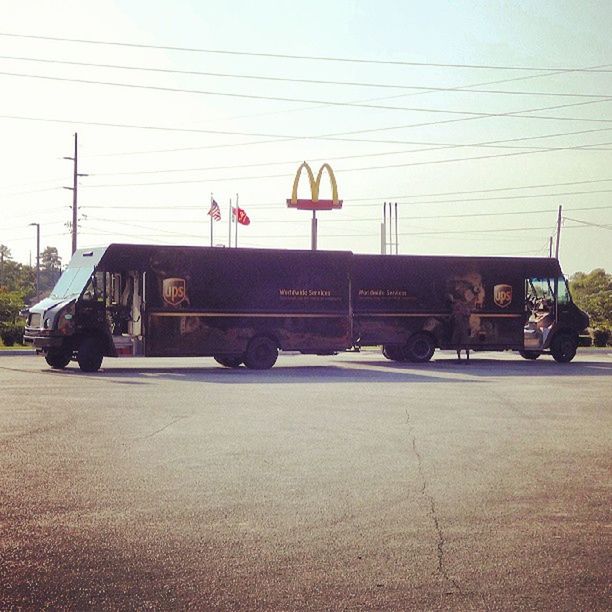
column 479, row 118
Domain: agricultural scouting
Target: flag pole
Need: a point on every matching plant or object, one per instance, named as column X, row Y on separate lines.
column 211, row 220
column 229, row 240
column 236, row 222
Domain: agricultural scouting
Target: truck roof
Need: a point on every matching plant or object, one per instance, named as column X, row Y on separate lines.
column 124, row 256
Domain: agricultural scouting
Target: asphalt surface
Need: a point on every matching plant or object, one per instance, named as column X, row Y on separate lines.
column 336, row 483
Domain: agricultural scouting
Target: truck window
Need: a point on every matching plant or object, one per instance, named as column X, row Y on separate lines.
column 71, row 283
column 95, row 288
column 541, row 293
column 563, row 294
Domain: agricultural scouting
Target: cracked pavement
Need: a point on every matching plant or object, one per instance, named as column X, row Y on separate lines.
column 344, row 482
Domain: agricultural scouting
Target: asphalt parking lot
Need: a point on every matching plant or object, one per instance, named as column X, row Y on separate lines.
column 344, row 482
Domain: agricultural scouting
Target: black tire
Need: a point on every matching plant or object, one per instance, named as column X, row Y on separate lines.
column 261, row 354
column 394, row 352
column 229, row 361
column 58, row 360
column 420, row 348
column 563, row 347
column 90, row 355
column 529, row 354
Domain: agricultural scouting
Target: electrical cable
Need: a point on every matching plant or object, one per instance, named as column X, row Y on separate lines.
column 298, row 57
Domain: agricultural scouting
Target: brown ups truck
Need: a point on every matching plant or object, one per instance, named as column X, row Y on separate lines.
column 241, row 306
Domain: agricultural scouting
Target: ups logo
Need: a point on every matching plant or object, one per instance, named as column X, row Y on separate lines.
column 502, row 295
column 174, row 292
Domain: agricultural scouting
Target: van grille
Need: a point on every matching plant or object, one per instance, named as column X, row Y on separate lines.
column 34, row 320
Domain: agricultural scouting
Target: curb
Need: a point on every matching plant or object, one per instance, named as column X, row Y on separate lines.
column 16, row 353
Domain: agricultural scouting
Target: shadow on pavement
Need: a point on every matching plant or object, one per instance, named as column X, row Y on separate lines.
column 357, row 371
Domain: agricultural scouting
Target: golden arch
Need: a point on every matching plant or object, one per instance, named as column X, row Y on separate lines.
column 315, row 184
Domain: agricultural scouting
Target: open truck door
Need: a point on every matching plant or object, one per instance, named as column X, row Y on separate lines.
column 554, row 323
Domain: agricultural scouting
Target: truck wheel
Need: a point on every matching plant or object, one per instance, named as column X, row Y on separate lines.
column 419, row 348
column 229, row 361
column 394, row 352
column 261, row 354
column 563, row 348
column 529, row 354
column 90, row 355
column 58, row 360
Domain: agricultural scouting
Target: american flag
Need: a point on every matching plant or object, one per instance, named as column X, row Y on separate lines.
column 215, row 211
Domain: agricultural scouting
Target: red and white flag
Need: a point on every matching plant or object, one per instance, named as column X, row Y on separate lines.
column 241, row 216
column 215, row 211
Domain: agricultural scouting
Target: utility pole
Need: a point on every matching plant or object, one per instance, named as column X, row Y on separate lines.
column 558, row 233
column 37, row 259
column 74, row 189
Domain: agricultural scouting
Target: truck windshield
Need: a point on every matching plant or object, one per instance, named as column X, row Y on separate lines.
column 71, row 283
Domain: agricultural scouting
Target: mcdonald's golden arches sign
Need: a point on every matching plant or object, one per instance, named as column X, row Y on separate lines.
column 315, row 203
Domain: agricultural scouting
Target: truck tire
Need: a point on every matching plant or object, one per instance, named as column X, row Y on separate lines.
column 394, row 352
column 89, row 356
column 529, row 354
column 563, row 347
column 261, row 354
column 58, row 360
column 229, row 361
column 420, row 348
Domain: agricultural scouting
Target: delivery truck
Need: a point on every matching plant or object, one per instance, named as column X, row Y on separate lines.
column 243, row 306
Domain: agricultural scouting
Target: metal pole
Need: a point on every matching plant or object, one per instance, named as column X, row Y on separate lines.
column 384, row 231
column 236, row 222
column 558, row 233
column 74, row 194
column 229, row 240
column 550, row 243
column 390, row 229
column 313, row 231
column 37, row 259
column 396, row 234
column 211, row 220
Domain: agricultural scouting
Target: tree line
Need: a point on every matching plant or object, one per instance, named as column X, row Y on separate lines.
column 18, row 288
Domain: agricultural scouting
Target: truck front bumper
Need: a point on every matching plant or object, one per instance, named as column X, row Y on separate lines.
column 42, row 342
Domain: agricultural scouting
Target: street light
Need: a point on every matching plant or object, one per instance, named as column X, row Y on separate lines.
column 37, row 258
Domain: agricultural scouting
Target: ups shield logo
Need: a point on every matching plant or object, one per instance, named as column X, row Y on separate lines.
column 502, row 295
column 174, row 292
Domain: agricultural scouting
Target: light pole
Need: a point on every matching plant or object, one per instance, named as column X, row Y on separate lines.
column 37, row 258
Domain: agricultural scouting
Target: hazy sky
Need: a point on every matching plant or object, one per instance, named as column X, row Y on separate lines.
column 478, row 118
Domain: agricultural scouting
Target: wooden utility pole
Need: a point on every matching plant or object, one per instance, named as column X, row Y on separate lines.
column 74, row 189
column 558, row 233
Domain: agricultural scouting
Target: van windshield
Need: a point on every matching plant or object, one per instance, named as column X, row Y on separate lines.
column 71, row 283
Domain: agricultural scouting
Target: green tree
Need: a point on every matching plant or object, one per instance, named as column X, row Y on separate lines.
column 593, row 293
column 50, row 268
column 11, row 302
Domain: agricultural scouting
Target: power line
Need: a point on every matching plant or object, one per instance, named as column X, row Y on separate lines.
column 492, row 190
column 364, row 155
column 285, row 99
column 295, row 80
column 376, row 201
column 344, row 170
column 370, row 219
column 608, row 227
column 298, row 57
